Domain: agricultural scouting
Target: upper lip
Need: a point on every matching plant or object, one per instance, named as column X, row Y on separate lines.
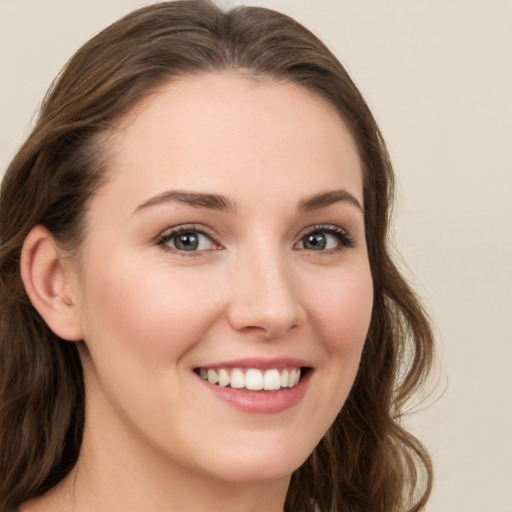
column 260, row 363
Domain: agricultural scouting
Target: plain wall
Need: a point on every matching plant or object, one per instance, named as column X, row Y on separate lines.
column 438, row 76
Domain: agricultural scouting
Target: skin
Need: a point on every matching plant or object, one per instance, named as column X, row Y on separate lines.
column 148, row 314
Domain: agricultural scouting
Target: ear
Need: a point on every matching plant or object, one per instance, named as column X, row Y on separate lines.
column 48, row 282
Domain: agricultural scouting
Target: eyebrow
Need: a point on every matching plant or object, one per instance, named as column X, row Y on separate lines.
column 325, row 199
column 222, row 203
column 194, row 199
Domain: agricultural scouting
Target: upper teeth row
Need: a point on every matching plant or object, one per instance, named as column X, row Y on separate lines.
column 253, row 379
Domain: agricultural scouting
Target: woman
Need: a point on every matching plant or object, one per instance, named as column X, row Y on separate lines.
column 199, row 310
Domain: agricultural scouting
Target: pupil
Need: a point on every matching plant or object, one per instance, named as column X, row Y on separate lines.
column 187, row 242
column 315, row 241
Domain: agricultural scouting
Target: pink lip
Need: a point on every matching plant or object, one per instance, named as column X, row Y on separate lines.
column 261, row 402
column 260, row 363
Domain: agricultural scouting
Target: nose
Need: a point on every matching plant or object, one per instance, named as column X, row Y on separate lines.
column 265, row 299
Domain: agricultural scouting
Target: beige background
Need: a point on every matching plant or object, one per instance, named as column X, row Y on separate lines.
column 438, row 77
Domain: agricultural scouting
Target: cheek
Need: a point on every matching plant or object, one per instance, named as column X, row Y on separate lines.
column 340, row 308
column 150, row 313
column 343, row 313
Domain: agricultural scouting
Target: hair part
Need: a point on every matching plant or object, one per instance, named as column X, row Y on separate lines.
column 367, row 461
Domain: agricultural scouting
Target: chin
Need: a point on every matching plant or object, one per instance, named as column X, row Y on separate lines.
column 257, row 471
column 266, row 462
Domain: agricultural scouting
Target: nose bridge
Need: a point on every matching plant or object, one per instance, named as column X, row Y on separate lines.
column 264, row 297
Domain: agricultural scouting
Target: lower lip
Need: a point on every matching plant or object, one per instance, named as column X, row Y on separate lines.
column 261, row 402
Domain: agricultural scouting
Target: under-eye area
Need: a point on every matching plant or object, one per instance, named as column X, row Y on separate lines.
column 253, row 379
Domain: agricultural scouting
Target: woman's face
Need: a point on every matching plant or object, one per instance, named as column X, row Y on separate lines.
column 228, row 244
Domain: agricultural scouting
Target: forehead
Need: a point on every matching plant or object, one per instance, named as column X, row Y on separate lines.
column 227, row 131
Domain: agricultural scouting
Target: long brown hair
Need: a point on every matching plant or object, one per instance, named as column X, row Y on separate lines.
column 367, row 461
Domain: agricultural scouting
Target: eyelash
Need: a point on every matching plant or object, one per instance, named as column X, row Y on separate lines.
column 346, row 241
column 167, row 236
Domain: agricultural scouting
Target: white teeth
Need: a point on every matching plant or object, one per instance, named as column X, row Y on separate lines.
column 237, row 379
column 284, row 378
column 253, row 379
column 212, row 376
column 223, row 378
column 291, row 379
column 294, row 378
column 271, row 380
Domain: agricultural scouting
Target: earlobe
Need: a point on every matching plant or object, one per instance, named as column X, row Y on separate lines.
column 48, row 285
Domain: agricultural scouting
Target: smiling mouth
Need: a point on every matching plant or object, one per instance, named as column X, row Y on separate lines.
column 253, row 379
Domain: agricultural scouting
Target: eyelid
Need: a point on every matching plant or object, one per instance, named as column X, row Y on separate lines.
column 171, row 232
column 346, row 240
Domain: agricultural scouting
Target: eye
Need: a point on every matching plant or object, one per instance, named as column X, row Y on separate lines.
column 325, row 238
column 187, row 239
